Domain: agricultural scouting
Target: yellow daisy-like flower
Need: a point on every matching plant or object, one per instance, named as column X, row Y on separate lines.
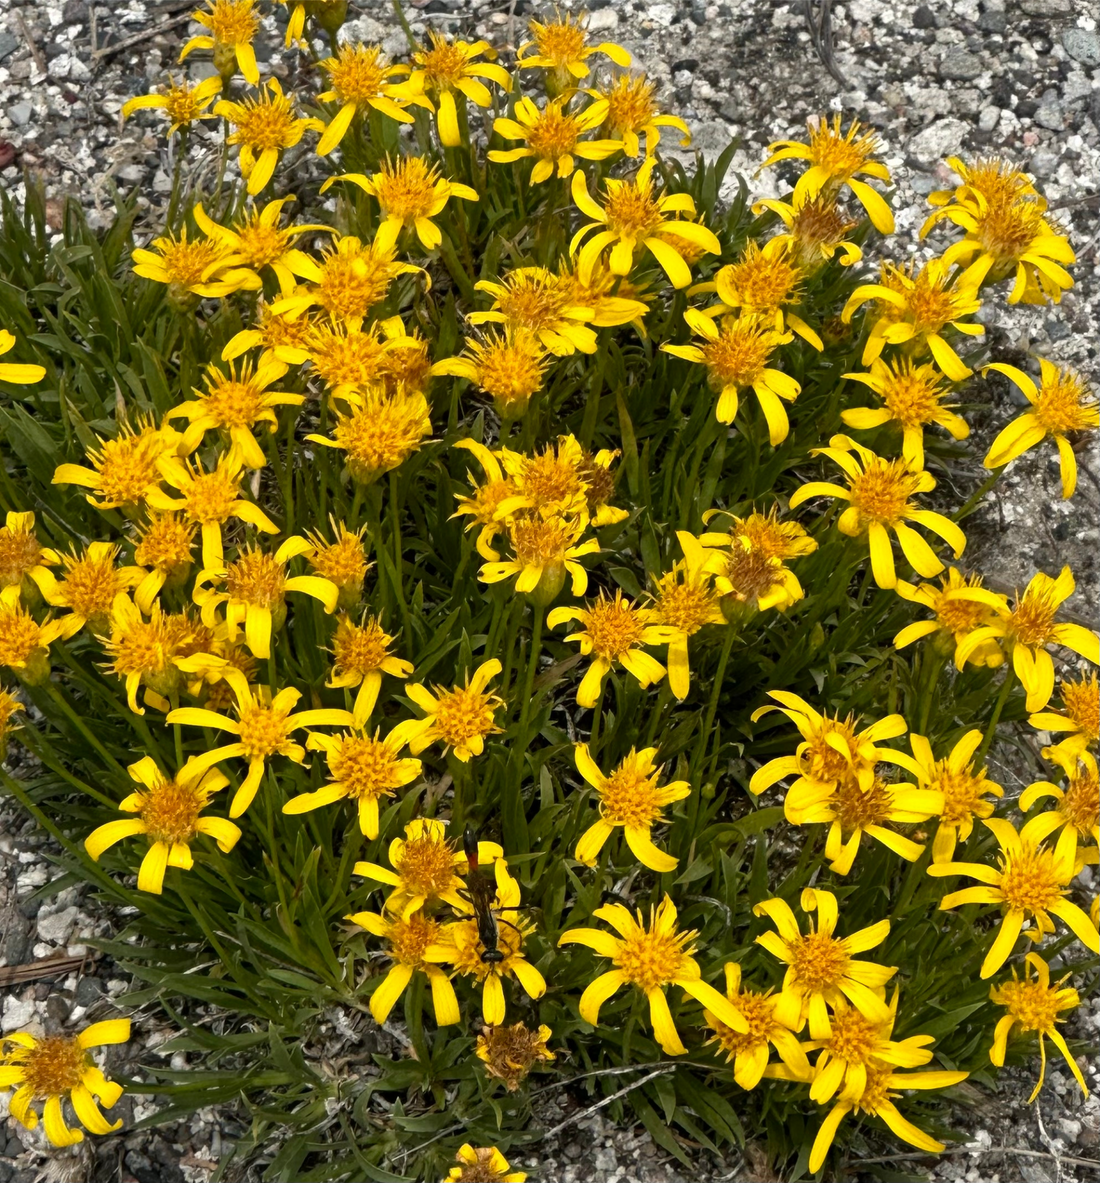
column 380, row 434
column 632, row 113
column 168, row 812
column 264, row 127
column 1032, row 880
column 537, row 301
column 955, row 619
column 736, row 355
column 408, row 938
column 561, row 47
column 553, row 137
column 183, row 104
column 254, row 593
column 17, row 375
column 1077, row 804
column 912, row 397
column 546, row 549
column 460, row 946
column 749, row 1051
column 348, row 359
column 209, row 500
column 54, row 1067
column 913, row 309
column 9, row 704
column 628, row 797
column 509, row 1053
column 281, row 338
column 962, row 787
column 1033, row 1004
column 632, row 219
column 764, row 282
column 343, row 562
column 24, row 643
column 822, row 968
column 509, row 367
column 836, row 159
column 1061, row 403
column 22, row 556
column 482, row 1163
column 686, row 601
column 193, row 267
column 612, row 633
column 410, row 192
column 233, row 25
column 363, row 769
column 1080, row 717
column 562, row 480
column 1027, row 629
column 459, row 718
column 125, row 470
column 263, row 729
column 164, row 547
column 831, row 751
column 360, row 656
column 448, row 67
column 817, row 230
column 880, row 494
column 650, row 956
column 89, row 586
column 359, row 80
column 426, row 869
column 483, row 504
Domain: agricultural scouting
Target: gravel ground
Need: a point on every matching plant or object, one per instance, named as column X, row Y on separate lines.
column 971, row 76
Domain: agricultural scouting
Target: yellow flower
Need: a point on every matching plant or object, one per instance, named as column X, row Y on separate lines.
column 57, row 1066
column 836, row 160
column 18, row 375
column 199, row 266
column 562, row 480
column 483, row 504
column 560, row 47
column 962, row 787
column 1028, row 629
column 763, row 282
column 208, row 500
column 22, row 556
column 686, row 602
column 380, row 434
column 425, row 868
column 954, row 618
column 1077, row 809
column 1007, row 231
column 409, row 938
column 125, row 470
column 736, row 356
column 553, row 137
column 912, row 397
column 632, row 219
column 168, row 812
column 545, row 549
column 483, row 1163
column 343, row 562
column 459, row 718
column 877, row 1100
column 612, row 632
column 536, row 300
column 360, row 656
column 1062, row 403
column 914, row 309
column 817, row 229
column 89, row 586
column 852, row 811
column 1034, row 1005
column 450, row 66
column 263, row 729
column 359, row 80
column 1080, row 717
column 264, row 127
column 282, row 338
column 410, row 192
column 630, row 798
column 650, row 956
column 233, row 24
column 509, row 1053
column 9, row 704
column 822, row 968
column 611, row 300
column 460, row 945
column 347, row 359
column 1032, row 880
column 258, row 242
column 750, row 1050
column 880, row 494
column 632, row 113
column 254, row 595
column 182, row 104
column 362, row 768
column 166, row 544
column 831, row 751
column 24, row 643
column 508, row 366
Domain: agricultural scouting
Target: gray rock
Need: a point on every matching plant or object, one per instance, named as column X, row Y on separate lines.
column 1081, row 45
column 1043, row 164
column 989, row 118
column 993, row 21
column 1050, row 116
column 960, row 65
column 88, row 990
column 1047, row 7
column 20, row 113
column 8, row 44
column 939, row 139
column 56, row 928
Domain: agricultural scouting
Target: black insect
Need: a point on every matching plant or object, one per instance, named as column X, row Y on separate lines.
column 481, row 895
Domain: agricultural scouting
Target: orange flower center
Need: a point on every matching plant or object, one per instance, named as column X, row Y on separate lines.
column 180, row 105
column 629, row 798
column 1030, row 881
column 409, row 939
column 1065, row 405
column 211, row 496
column 464, row 713
column 91, row 584
column 1081, row 803
column 751, row 572
column 233, row 22
column 540, row 542
column 232, row 401
column 261, row 244
column 353, row 281
column 739, row 355
column 554, row 133
column 630, row 104
column 344, row 561
column 854, row 1039
column 165, row 543
column 382, row 435
column 357, row 74
column 187, row 263
column 1032, row 623
column 263, row 731
column 912, row 393
column 127, row 466
column 267, row 122
column 366, row 767
column 1082, row 704
column 631, row 209
column 561, row 41
column 841, row 155
column 818, row 962
column 171, row 812
column 1007, row 230
column 686, row 606
column 819, row 759
column 258, row 579
column 19, row 636
column 19, row 553
column 548, row 480
column 407, row 190
column 511, row 370
column 348, row 358
column 882, row 490
column 53, row 1067
column 359, row 648
column 758, row 1011
column 650, row 958
column 962, row 792
column 533, row 302
column 763, row 282
column 444, row 64
column 426, row 866
column 1034, row 1006
column 854, row 808
column 614, row 627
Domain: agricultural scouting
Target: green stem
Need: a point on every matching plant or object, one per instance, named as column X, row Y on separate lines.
column 414, row 1016
column 54, row 692
column 932, row 667
column 995, row 718
column 403, row 21
column 973, row 500
column 719, row 678
column 592, row 407
column 597, row 712
column 529, row 680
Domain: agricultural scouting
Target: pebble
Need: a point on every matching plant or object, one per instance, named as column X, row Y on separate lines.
column 1082, row 45
column 57, row 927
column 960, row 65
column 939, row 139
